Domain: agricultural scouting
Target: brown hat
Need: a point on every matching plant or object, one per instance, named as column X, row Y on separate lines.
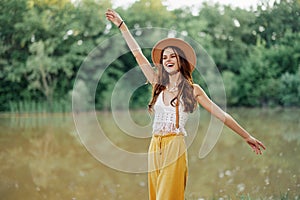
column 184, row 46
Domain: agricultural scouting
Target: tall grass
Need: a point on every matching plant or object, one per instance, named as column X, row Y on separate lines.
column 29, row 106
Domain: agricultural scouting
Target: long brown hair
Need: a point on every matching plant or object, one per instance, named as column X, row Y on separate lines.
column 186, row 89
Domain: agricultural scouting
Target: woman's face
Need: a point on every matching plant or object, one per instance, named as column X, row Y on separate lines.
column 170, row 61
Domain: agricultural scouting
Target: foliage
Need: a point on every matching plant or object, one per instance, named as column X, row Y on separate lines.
column 44, row 43
column 290, row 85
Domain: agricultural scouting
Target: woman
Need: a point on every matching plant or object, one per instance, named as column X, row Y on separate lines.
column 174, row 96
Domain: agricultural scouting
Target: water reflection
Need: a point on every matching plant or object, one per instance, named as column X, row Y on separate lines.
column 41, row 157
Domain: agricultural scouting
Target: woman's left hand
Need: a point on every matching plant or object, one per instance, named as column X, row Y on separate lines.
column 255, row 144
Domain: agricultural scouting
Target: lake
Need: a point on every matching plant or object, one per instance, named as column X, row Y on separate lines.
column 43, row 156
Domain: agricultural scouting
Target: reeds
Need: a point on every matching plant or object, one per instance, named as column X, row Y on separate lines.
column 29, row 106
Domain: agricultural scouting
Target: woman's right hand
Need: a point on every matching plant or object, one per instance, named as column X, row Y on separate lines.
column 113, row 16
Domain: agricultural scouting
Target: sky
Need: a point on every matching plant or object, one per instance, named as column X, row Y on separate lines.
column 172, row 4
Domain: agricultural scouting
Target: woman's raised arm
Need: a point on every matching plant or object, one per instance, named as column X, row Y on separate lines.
column 148, row 71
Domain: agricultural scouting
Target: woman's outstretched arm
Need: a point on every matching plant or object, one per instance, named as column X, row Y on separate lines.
column 148, row 71
column 216, row 111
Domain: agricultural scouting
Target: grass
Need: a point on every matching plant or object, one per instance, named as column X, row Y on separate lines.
column 38, row 150
column 29, row 106
column 281, row 196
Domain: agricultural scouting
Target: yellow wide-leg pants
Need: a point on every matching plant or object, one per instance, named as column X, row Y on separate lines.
column 167, row 162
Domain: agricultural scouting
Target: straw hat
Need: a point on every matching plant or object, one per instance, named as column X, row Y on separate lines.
column 184, row 46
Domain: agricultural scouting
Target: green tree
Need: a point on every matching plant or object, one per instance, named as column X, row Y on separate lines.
column 41, row 70
column 147, row 13
column 289, row 90
column 44, row 43
column 257, row 83
column 273, row 21
column 12, row 54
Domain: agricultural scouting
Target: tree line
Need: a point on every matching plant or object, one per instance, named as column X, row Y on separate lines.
column 44, row 43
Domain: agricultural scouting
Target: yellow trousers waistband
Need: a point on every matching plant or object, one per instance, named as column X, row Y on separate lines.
column 167, row 135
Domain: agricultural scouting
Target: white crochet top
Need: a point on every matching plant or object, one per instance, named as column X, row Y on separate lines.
column 165, row 118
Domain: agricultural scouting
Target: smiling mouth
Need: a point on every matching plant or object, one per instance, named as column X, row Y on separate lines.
column 170, row 65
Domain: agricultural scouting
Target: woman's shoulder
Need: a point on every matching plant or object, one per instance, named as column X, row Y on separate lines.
column 198, row 91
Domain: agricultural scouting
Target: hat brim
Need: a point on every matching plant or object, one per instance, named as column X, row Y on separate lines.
column 184, row 46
